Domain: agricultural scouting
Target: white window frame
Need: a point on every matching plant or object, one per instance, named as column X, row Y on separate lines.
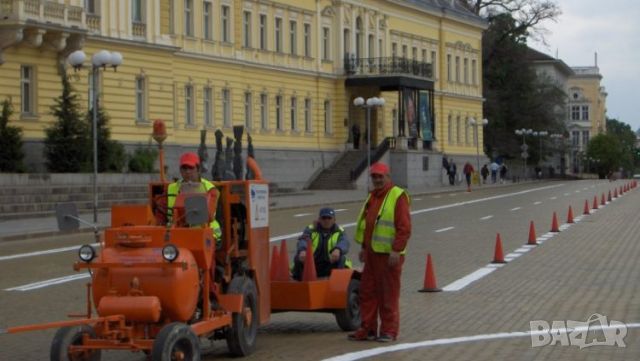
column 279, row 115
column 277, row 29
column 137, row 16
column 294, row 113
column 28, row 106
column 584, row 112
column 474, row 71
column 207, row 105
column 264, row 111
column 248, row 110
column 293, row 37
column 371, row 45
column 326, row 43
column 226, row 108
column 457, row 68
column 307, row 39
column 225, row 14
column 141, row 98
column 246, row 27
column 189, row 105
column 450, row 129
column 92, row 7
column 449, row 76
column 207, row 23
column 188, row 17
column 458, row 130
column 263, row 32
column 307, row 115
column 575, row 112
column 327, row 116
column 465, row 67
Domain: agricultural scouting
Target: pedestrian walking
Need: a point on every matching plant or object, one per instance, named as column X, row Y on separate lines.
column 383, row 230
column 494, row 172
column 503, row 173
column 453, row 170
column 485, row 173
column 468, row 171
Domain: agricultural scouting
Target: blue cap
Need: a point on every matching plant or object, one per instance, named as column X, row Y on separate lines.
column 327, row 212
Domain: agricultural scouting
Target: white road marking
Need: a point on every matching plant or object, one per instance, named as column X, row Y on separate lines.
column 341, row 209
column 566, row 194
column 302, row 215
column 497, row 265
column 536, row 203
column 486, row 217
column 50, row 282
column 553, row 198
column 436, row 197
column 468, row 279
column 452, row 194
column 371, row 352
column 578, row 191
column 515, row 209
column 417, row 199
column 47, row 251
column 444, row 229
column 522, row 250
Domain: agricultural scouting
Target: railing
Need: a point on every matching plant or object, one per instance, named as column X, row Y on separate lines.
column 54, row 10
column 6, row 8
column 42, row 11
column 376, row 154
column 392, row 65
column 93, row 22
column 139, row 29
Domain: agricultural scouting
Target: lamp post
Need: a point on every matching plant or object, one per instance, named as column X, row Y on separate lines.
column 476, row 124
column 101, row 59
column 559, row 137
column 372, row 102
column 524, row 132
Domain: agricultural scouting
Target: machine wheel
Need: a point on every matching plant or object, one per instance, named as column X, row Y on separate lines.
column 176, row 341
column 349, row 318
column 72, row 335
column 241, row 336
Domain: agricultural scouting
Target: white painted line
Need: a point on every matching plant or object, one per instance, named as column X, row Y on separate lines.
column 515, row 209
column 341, row 210
column 376, row 351
column 436, row 197
column 529, row 246
column 553, row 198
column 578, row 191
column 513, row 255
column 565, row 226
column 536, row 203
column 585, row 188
column 452, row 194
column 566, row 194
column 444, row 229
column 50, row 282
column 48, row 251
column 486, row 217
column 302, row 215
column 417, row 199
column 523, row 250
column 468, row 279
column 497, row 265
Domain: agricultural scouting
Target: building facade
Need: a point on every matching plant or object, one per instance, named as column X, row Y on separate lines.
column 286, row 70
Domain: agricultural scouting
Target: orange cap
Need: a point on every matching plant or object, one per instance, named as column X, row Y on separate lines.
column 379, row 168
column 190, row 159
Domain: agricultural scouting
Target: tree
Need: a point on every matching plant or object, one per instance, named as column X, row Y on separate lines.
column 608, row 150
column 11, row 153
column 143, row 159
column 66, row 145
column 111, row 154
column 627, row 139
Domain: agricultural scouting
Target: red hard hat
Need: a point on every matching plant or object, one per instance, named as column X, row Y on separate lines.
column 191, row 159
column 379, row 168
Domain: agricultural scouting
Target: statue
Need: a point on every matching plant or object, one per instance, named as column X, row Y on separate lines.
column 250, row 153
column 217, row 172
column 202, row 151
column 228, row 161
column 237, row 150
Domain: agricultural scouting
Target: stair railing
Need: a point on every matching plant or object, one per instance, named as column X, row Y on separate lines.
column 376, row 154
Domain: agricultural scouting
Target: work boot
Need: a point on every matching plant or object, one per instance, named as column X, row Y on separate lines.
column 362, row 335
column 385, row 338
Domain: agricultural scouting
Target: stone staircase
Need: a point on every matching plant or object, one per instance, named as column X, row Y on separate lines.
column 338, row 175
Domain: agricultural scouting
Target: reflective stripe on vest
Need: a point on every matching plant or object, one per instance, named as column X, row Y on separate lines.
column 331, row 244
column 384, row 231
column 172, row 193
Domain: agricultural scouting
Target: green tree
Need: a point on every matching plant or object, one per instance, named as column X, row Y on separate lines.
column 111, row 154
column 11, row 153
column 608, row 150
column 67, row 148
column 627, row 140
column 143, row 159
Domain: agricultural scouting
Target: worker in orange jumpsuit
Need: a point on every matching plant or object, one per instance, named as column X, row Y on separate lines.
column 383, row 229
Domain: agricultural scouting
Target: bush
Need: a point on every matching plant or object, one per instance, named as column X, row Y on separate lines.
column 111, row 154
column 143, row 160
column 11, row 153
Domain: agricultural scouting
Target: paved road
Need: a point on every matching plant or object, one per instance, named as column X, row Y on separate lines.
column 588, row 268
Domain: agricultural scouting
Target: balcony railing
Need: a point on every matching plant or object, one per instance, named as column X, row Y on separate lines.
column 387, row 66
column 42, row 11
column 93, row 22
column 139, row 29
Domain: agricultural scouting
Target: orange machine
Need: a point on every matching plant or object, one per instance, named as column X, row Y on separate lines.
column 159, row 288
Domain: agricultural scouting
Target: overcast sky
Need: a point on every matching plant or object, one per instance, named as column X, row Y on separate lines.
column 611, row 28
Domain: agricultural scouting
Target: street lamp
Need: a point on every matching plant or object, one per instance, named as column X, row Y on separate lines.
column 540, row 134
column 372, row 102
column 524, row 132
column 101, row 59
column 476, row 124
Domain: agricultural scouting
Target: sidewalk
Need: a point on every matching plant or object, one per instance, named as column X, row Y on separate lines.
column 16, row 229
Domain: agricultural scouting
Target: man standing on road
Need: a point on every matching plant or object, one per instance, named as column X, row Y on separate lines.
column 468, row 171
column 383, row 229
column 330, row 245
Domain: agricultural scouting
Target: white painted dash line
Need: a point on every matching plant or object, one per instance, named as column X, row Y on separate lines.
column 436, row 197
column 513, row 255
column 50, row 282
column 468, row 279
column 341, row 210
column 566, row 194
column 522, row 250
column 515, row 209
column 452, row 194
column 578, row 191
column 496, row 265
column 38, row 253
column 301, row 215
column 536, row 203
column 486, row 217
column 553, row 198
column 417, row 199
column 444, row 229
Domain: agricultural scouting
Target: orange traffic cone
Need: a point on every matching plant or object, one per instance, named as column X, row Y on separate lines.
column 282, row 274
column 275, row 258
column 554, row 224
column 602, row 200
column 309, row 270
column 595, row 202
column 586, row 208
column 532, row 234
column 609, row 196
column 498, row 256
column 430, row 278
column 570, row 215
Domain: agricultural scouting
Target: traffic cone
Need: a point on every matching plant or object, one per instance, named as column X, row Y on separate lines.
column 498, row 256
column 532, row 235
column 570, row 215
column 554, row 224
column 602, row 200
column 615, row 192
column 275, row 258
column 595, row 202
column 430, row 278
column 586, row 208
column 609, row 196
column 282, row 274
column 309, row 270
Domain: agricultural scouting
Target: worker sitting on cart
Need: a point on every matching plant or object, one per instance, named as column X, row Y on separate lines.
column 191, row 182
column 330, row 246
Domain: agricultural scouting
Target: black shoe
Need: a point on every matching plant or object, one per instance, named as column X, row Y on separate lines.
column 360, row 335
column 385, row 338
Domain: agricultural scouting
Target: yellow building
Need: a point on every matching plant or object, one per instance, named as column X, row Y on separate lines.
column 286, row 70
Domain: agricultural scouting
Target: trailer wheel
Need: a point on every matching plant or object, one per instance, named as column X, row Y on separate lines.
column 349, row 318
column 176, row 341
column 72, row 335
column 241, row 336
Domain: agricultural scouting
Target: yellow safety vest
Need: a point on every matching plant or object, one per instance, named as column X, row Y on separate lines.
column 172, row 192
column 333, row 241
column 384, row 231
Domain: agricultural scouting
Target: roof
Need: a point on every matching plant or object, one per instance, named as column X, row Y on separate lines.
column 449, row 7
column 535, row 56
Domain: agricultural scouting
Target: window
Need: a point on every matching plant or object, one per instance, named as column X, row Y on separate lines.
column 246, row 26
column 278, row 112
column 346, row 38
column 307, row 115
column 457, row 69
column 207, row 101
column 466, row 132
column 206, row 26
column 414, row 53
column 278, row 34
column 458, row 130
column 188, row 17
column 264, row 112
column 449, row 78
column 263, row 32
column 327, row 116
column 394, row 49
column 405, row 52
column 326, row 44
column 585, row 138
column 424, row 56
column 433, row 63
column 575, row 138
column 248, row 117
column 474, row 72
column 225, row 24
column 466, row 70
column 450, row 129
column 27, row 93
column 575, row 112
column 307, row 40
column 226, row 107
column 294, row 113
column 585, row 112
column 141, row 114
column 293, row 37
column 137, row 8
column 371, row 46
column 172, row 29
column 91, row 7
column 188, row 105
column 380, row 48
